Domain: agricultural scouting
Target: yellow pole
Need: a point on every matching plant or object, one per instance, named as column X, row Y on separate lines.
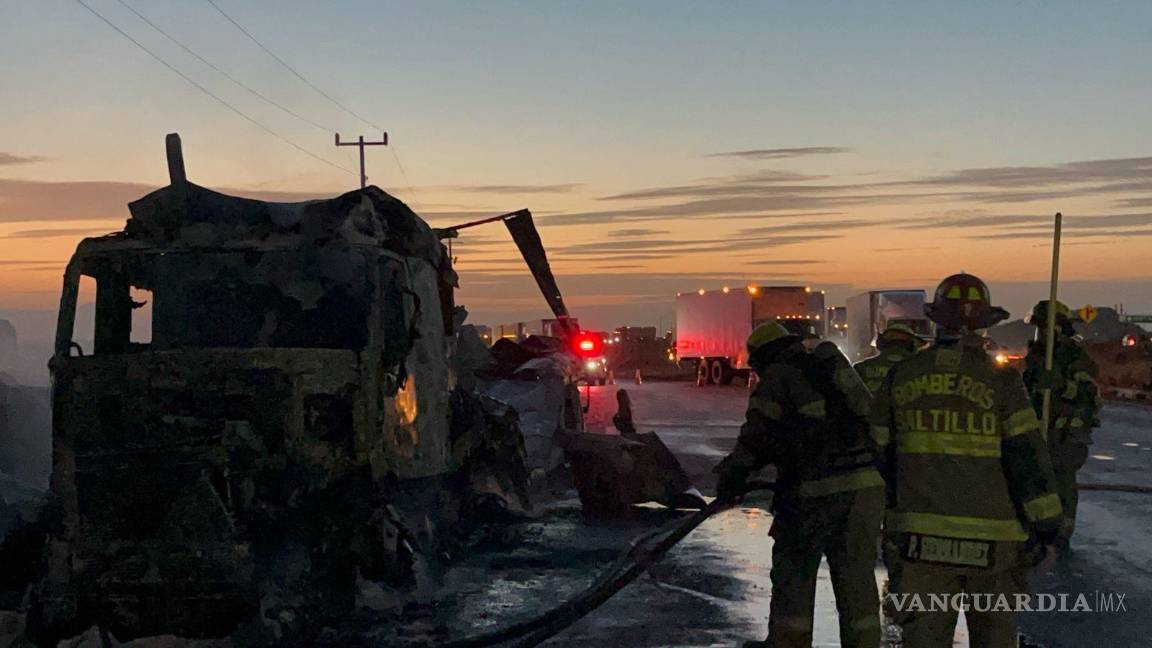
column 1050, row 337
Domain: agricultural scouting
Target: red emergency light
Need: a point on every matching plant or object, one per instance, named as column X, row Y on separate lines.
column 587, row 345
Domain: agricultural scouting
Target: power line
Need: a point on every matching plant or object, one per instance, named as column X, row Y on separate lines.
column 341, row 106
column 210, row 93
column 222, row 72
column 404, row 175
column 290, row 68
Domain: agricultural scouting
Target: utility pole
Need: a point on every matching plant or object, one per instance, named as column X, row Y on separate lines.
column 361, row 143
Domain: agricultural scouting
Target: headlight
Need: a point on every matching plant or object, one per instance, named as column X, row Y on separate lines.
column 1001, row 359
column 592, row 365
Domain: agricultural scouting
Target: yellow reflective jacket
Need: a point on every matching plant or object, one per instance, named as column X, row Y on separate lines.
column 874, row 370
column 961, row 450
column 808, row 417
column 1075, row 404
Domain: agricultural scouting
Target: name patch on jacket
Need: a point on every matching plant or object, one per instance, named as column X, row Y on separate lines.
column 945, row 384
column 948, row 551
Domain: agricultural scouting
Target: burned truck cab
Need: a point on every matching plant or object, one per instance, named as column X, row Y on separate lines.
column 292, row 373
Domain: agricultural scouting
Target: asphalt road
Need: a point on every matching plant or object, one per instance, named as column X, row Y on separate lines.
column 713, row 588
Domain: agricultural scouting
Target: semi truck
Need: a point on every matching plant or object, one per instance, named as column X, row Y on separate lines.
column 286, row 401
column 713, row 325
column 868, row 314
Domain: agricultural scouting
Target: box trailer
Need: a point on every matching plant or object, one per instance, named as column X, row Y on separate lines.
column 867, row 314
column 713, row 325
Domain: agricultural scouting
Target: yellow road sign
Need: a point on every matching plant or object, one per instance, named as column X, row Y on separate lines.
column 1088, row 313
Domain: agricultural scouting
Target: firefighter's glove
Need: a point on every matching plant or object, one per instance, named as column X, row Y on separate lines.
column 1047, row 537
column 1042, row 549
column 731, row 480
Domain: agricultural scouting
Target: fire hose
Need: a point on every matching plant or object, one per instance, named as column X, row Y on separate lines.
column 642, row 553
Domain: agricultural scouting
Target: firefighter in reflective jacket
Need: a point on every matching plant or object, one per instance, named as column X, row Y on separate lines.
column 1074, row 405
column 970, row 491
column 807, row 417
column 894, row 343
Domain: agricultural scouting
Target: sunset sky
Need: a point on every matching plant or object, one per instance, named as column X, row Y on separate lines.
column 663, row 146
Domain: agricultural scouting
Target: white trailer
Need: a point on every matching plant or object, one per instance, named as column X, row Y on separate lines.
column 868, row 314
column 712, row 326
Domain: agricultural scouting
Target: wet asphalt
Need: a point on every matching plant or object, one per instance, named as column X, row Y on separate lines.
column 713, row 588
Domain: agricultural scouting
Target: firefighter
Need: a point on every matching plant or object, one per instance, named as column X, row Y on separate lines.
column 1074, row 405
column 807, row 416
column 970, row 488
column 894, row 343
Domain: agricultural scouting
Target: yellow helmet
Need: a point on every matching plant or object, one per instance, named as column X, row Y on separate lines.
column 1039, row 315
column 899, row 335
column 900, row 329
column 766, row 334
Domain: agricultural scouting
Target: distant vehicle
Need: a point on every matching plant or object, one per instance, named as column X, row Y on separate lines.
column 713, row 325
column 595, row 371
column 588, row 346
column 836, row 323
column 869, row 313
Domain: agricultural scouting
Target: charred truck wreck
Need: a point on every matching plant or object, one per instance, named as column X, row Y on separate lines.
column 283, row 438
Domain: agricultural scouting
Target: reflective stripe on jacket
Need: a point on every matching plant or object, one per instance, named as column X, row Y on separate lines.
column 874, row 370
column 815, row 434
column 1076, row 402
column 961, row 448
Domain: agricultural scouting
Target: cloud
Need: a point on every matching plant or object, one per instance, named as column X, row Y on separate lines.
column 785, row 262
column 636, row 232
column 780, row 153
column 1084, row 171
column 517, row 189
column 12, row 159
column 1047, row 234
column 818, row 226
column 905, row 249
column 30, row 200
column 770, row 192
column 620, row 255
column 51, row 233
column 42, row 201
column 976, row 220
column 1145, row 201
column 629, row 248
column 744, row 184
column 759, row 201
column 39, row 201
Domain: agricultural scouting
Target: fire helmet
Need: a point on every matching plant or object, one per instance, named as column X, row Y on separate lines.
column 1039, row 315
column 765, row 334
column 899, row 335
column 962, row 302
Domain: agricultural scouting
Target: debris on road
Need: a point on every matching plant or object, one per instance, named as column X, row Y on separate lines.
column 614, row 472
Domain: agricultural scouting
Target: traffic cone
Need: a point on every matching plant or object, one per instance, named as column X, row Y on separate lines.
column 611, row 379
column 639, row 380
